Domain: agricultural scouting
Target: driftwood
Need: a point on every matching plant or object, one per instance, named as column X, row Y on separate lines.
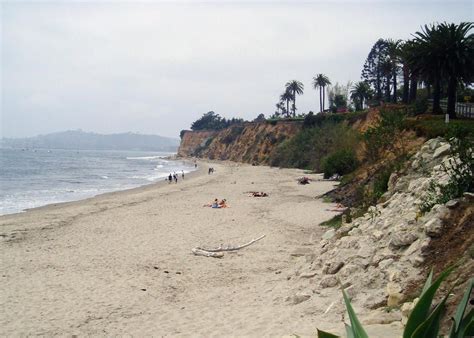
column 218, row 252
column 200, row 252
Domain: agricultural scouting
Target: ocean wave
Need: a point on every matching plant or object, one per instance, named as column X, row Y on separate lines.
column 147, row 158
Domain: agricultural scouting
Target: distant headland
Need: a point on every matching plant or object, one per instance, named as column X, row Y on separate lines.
column 78, row 139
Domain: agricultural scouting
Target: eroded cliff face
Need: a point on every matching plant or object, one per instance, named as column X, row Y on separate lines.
column 251, row 142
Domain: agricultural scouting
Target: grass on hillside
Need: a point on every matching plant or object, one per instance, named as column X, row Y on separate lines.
column 432, row 126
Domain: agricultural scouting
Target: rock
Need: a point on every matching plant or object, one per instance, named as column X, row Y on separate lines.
column 298, row 298
column 415, row 164
column 426, row 157
column 344, row 230
column 349, row 270
column 410, row 217
column 309, row 274
column 393, row 275
column 425, row 148
column 394, row 294
column 425, row 245
column 414, row 247
column 377, row 234
column 403, row 239
column 433, row 143
column 433, row 227
column 329, row 234
column 385, row 263
column 355, row 232
column 328, row 282
column 407, row 308
column 416, row 260
column 392, row 181
column 452, row 204
column 445, row 149
column 469, row 195
column 331, row 268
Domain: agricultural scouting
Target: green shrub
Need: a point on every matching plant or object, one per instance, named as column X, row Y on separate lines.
column 340, row 162
column 460, row 171
column 306, row 149
column 420, row 106
column 434, row 126
column 383, row 136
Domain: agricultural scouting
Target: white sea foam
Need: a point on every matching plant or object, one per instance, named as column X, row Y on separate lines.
column 147, row 158
column 68, row 176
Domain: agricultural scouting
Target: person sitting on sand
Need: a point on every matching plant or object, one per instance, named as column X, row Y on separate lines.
column 215, row 204
column 223, row 203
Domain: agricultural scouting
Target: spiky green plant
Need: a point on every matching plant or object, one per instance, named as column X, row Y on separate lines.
column 422, row 322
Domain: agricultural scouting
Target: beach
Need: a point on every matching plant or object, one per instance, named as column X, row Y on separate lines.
column 121, row 263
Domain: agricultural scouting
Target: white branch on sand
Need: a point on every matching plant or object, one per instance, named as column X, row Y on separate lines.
column 217, row 252
column 200, row 252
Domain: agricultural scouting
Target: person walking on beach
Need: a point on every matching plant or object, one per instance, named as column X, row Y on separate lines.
column 175, row 178
column 182, row 174
column 170, row 178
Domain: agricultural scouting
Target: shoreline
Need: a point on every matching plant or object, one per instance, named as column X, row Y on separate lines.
column 151, row 185
column 121, row 263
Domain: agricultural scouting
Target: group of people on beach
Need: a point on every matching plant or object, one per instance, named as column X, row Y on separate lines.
column 174, row 177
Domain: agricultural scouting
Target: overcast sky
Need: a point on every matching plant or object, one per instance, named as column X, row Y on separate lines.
column 154, row 67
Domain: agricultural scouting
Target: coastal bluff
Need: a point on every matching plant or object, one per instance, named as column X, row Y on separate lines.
column 251, row 142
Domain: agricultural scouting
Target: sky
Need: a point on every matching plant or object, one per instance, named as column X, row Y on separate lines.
column 155, row 67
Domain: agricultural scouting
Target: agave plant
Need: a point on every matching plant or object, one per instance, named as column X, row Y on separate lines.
column 422, row 322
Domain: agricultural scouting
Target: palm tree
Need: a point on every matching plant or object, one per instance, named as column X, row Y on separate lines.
column 455, row 48
column 321, row 81
column 395, row 55
column 425, row 60
column 444, row 52
column 287, row 97
column 361, row 92
column 294, row 87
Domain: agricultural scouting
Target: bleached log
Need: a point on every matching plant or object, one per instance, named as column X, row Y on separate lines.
column 232, row 248
column 218, row 252
column 200, row 252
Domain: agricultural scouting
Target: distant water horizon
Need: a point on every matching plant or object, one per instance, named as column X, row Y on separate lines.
column 38, row 177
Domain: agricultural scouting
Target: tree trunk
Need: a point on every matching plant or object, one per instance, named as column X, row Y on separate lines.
column 320, row 99
column 387, row 89
column 437, row 97
column 452, row 86
column 394, row 86
column 413, row 88
column 378, row 88
column 294, row 103
column 287, row 108
column 324, row 97
column 406, row 85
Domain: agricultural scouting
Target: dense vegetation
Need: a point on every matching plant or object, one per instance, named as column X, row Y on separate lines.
column 213, row 121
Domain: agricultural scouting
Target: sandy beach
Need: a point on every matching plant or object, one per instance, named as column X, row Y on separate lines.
column 121, row 263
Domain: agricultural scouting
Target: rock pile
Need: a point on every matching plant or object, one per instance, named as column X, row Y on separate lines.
column 378, row 254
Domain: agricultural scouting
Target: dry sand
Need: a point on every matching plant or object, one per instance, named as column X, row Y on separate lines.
column 121, row 263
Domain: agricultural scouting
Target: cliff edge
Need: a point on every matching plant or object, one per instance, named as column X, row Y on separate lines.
column 251, row 142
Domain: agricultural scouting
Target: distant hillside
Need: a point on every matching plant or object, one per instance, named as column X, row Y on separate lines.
column 79, row 139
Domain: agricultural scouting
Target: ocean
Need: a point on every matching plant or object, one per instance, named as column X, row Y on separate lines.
column 33, row 178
